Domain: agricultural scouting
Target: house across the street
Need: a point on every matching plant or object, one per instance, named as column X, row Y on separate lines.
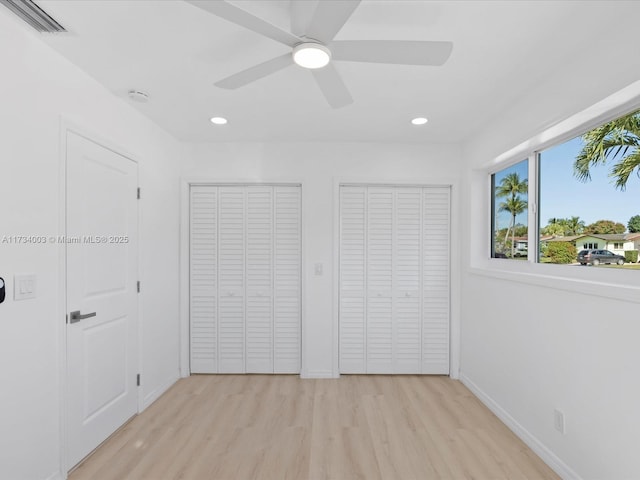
column 617, row 243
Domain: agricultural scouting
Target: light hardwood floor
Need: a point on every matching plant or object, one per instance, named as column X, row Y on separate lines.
column 237, row 427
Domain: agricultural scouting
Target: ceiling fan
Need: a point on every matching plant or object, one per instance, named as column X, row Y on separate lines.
column 314, row 24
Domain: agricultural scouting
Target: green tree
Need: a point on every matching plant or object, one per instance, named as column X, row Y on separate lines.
column 511, row 187
column 618, row 139
column 634, row 224
column 520, row 230
column 605, row 226
column 556, row 229
column 514, row 206
column 561, row 252
column 574, row 226
column 556, row 226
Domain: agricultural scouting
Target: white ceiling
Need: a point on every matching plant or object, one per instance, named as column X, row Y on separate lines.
column 175, row 52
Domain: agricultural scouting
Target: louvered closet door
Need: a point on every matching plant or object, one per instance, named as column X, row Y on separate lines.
column 436, row 288
column 353, row 268
column 231, row 279
column 394, row 279
column 287, row 271
column 407, row 282
column 245, row 279
column 203, row 297
column 379, row 325
column 259, row 274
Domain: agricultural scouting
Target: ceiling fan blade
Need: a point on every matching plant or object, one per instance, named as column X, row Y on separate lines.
column 332, row 86
column 329, row 17
column 256, row 72
column 247, row 20
column 399, row 52
column 301, row 14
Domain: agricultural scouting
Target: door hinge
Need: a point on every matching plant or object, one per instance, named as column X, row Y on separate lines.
column 66, row 318
column 138, row 380
column 138, row 193
column 138, row 286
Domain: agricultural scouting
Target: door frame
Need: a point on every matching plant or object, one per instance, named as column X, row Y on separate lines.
column 69, row 126
column 185, row 188
column 455, row 266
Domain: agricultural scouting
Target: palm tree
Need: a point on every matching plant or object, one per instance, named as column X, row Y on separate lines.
column 619, row 139
column 574, row 226
column 555, row 226
column 514, row 205
column 510, row 186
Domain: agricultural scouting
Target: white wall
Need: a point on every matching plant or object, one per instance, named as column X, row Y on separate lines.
column 540, row 337
column 37, row 86
column 526, row 347
column 319, row 166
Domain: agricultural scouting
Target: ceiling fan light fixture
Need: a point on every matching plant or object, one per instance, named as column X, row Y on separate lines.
column 311, row 55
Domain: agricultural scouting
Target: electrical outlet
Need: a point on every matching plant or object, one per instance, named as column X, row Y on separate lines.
column 558, row 421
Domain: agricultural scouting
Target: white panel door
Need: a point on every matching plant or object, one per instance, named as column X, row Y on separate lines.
column 102, row 268
column 287, row 284
column 353, row 272
column 203, row 296
column 231, row 279
column 259, row 279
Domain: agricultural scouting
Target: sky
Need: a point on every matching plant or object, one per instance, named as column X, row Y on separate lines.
column 563, row 196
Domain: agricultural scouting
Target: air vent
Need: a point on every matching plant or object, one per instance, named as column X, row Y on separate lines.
column 31, row 13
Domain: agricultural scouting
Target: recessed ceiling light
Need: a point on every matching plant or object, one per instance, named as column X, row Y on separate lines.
column 311, row 55
column 419, row 121
column 138, row 96
column 218, row 120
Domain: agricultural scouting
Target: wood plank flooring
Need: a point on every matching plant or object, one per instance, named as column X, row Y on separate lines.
column 376, row 427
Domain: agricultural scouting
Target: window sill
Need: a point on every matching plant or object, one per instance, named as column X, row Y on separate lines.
column 585, row 280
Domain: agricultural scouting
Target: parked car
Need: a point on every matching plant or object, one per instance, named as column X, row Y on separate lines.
column 521, row 252
column 596, row 257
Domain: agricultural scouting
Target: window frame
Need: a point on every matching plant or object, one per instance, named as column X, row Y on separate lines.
column 493, row 205
column 611, row 283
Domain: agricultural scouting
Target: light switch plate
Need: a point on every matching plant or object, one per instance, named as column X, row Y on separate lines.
column 24, row 287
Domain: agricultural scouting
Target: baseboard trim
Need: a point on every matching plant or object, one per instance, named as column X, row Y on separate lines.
column 157, row 393
column 56, row 476
column 318, row 374
column 547, row 456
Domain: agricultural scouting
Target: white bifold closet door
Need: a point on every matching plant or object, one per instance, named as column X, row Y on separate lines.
column 394, row 279
column 245, row 261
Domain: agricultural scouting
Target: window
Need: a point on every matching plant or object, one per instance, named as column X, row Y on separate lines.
column 587, row 187
column 510, row 189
